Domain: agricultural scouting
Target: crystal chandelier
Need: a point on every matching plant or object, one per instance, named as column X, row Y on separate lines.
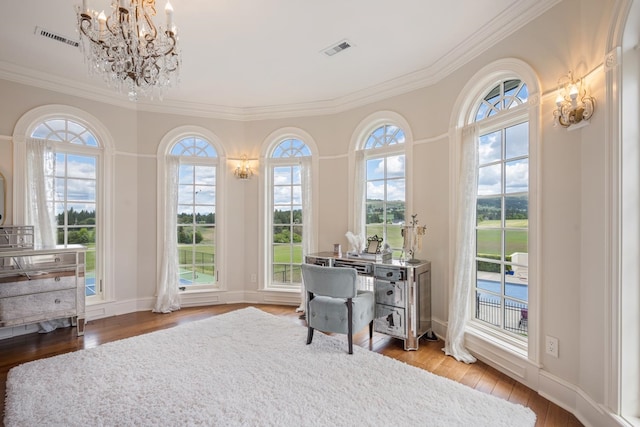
column 128, row 50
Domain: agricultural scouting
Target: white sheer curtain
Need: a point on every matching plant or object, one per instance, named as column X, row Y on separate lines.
column 40, row 191
column 463, row 275
column 168, row 293
column 308, row 241
column 359, row 190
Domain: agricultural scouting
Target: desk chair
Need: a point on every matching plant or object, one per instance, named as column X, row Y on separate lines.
column 333, row 302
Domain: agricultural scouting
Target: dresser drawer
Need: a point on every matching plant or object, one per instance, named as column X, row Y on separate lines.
column 39, row 262
column 21, row 285
column 34, row 307
column 390, row 293
column 390, row 320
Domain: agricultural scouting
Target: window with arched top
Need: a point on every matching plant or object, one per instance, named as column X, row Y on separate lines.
column 66, row 156
column 288, row 212
column 196, row 211
column 502, row 209
column 383, row 185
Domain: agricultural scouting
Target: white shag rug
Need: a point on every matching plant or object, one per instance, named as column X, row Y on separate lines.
column 243, row 368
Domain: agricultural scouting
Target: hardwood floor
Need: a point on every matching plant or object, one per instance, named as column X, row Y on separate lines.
column 430, row 357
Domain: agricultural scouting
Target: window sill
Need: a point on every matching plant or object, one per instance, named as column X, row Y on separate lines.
column 281, row 289
column 505, row 342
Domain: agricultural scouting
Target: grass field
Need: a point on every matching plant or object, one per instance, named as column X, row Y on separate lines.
column 489, row 239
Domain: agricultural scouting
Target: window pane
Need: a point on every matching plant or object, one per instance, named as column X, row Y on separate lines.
column 375, row 169
column 186, row 174
column 282, row 254
column 282, row 234
column 394, row 236
column 516, row 241
column 81, row 166
column 296, row 196
column 81, row 189
column 375, row 190
column 205, row 195
column 185, row 214
column 490, row 147
column 185, row 194
column 516, row 211
column 517, row 140
column 489, row 243
column 282, row 195
column 395, row 166
column 489, row 212
column 395, row 193
column 281, row 216
column 490, row 180
column 517, row 176
column 375, row 212
column 282, row 175
column 205, row 175
column 296, row 237
column 297, row 216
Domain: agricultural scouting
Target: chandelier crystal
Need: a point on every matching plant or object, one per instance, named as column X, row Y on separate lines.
column 132, row 54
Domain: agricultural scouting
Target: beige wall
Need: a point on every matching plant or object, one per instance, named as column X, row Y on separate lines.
column 572, row 177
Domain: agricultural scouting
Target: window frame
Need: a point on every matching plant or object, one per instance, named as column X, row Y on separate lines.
column 480, row 339
column 383, row 154
column 501, row 122
column 208, row 162
column 271, row 164
column 23, row 129
column 267, row 162
column 167, row 143
column 357, row 153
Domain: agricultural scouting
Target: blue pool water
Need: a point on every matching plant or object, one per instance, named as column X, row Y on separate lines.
column 512, row 290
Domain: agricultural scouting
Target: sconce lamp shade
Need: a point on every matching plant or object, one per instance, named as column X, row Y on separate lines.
column 574, row 106
column 243, row 171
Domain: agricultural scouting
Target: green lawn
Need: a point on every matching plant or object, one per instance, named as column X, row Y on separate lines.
column 489, row 240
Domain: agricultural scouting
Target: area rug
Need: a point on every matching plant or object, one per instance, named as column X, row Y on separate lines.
column 243, row 368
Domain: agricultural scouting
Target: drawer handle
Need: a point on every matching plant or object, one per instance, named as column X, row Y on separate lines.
column 389, row 292
column 57, row 301
column 57, row 279
column 57, row 259
column 389, row 273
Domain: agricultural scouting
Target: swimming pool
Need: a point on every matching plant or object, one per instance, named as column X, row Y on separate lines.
column 512, row 290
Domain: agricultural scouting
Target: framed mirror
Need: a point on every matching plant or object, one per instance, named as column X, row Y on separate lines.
column 3, row 201
column 373, row 245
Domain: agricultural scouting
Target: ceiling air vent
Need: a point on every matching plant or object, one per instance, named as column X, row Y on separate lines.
column 57, row 37
column 338, row 47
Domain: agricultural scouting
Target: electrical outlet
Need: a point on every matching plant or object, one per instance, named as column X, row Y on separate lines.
column 552, row 346
column 254, row 278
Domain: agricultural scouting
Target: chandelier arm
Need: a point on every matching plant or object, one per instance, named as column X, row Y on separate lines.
column 85, row 26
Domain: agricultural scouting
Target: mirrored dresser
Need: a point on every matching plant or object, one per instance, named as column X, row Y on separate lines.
column 37, row 285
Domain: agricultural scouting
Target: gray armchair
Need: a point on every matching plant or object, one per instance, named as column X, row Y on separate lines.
column 334, row 304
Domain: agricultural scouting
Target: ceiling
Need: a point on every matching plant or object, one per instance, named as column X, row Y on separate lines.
column 251, row 57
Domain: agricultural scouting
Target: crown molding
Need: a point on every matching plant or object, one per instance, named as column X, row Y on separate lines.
column 498, row 29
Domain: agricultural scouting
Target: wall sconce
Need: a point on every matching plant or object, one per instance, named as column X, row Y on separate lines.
column 243, row 171
column 574, row 105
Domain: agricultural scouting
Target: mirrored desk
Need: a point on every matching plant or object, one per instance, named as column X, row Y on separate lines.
column 402, row 293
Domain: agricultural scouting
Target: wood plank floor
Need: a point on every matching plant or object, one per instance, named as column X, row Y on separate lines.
column 22, row 349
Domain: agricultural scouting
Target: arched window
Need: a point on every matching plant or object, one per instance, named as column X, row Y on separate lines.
column 382, row 179
column 67, row 157
column 502, row 209
column 189, row 236
column 196, row 211
column 494, row 270
column 288, row 213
